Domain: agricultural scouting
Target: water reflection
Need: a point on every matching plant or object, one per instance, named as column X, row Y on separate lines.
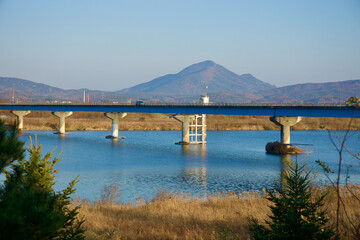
column 194, row 172
column 194, row 150
column 62, row 136
column 114, row 141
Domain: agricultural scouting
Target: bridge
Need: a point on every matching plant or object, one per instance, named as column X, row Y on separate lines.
column 192, row 116
column 340, row 111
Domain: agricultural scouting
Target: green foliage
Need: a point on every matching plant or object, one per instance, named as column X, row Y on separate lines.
column 29, row 207
column 39, row 171
column 11, row 148
column 295, row 213
column 28, row 213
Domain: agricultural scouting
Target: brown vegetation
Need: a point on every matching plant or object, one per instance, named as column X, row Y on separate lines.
column 279, row 148
column 174, row 216
column 92, row 121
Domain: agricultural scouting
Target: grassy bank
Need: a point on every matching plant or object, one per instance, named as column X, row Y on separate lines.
column 173, row 216
column 85, row 121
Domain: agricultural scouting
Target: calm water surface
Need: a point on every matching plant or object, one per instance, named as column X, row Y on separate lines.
column 148, row 161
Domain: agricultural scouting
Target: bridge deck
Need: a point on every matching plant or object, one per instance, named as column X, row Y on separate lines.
column 217, row 109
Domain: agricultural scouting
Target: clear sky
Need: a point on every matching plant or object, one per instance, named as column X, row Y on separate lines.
column 114, row 44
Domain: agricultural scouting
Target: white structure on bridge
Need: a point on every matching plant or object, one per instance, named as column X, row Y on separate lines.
column 193, row 127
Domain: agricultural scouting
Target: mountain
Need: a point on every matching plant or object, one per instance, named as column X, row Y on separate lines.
column 27, row 86
column 192, row 81
column 330, row 92
column 186, row 87
column 27, row 90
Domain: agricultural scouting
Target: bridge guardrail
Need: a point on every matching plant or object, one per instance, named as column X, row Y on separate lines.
column 186, row 104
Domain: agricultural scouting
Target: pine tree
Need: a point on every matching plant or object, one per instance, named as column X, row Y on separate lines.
column 11, row 149
column 29, row 207
column 295, row 214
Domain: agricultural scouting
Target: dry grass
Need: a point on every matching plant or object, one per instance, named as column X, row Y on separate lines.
column 174, row 216
column 92, row 121
column 171, row 216
column 279, row 148
column 350, row 214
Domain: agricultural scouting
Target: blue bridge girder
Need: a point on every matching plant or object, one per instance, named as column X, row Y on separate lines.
column 339, row 111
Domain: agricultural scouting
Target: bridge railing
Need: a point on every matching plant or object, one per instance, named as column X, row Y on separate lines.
column 187, row 104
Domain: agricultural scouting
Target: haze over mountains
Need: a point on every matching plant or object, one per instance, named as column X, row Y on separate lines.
column 187, row 86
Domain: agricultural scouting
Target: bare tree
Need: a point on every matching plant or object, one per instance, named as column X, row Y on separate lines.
column 339, row 142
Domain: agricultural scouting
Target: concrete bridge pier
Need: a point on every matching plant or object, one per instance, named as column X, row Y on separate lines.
column 193, row 129
column 61, row 116
column 285, row 123
column 115, row 117
column 185, row 122
column 20, row 118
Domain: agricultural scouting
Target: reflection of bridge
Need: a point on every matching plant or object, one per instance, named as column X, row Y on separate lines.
column 192, row 116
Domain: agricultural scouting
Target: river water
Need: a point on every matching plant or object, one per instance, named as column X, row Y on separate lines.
column 148, row 161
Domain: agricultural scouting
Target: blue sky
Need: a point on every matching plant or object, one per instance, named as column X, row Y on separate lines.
column 114, row 44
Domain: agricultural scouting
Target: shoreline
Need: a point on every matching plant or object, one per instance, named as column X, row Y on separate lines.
column 85, row 121
column 238, row 130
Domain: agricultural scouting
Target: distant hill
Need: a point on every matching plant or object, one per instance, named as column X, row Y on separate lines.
column 192, row 81
column 330, row 92
column 187, row 86
column 26, row 86
column 31, row 91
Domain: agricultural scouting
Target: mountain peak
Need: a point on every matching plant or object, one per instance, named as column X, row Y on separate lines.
column 206, row 63
column 192, row 81
column 198, row 67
